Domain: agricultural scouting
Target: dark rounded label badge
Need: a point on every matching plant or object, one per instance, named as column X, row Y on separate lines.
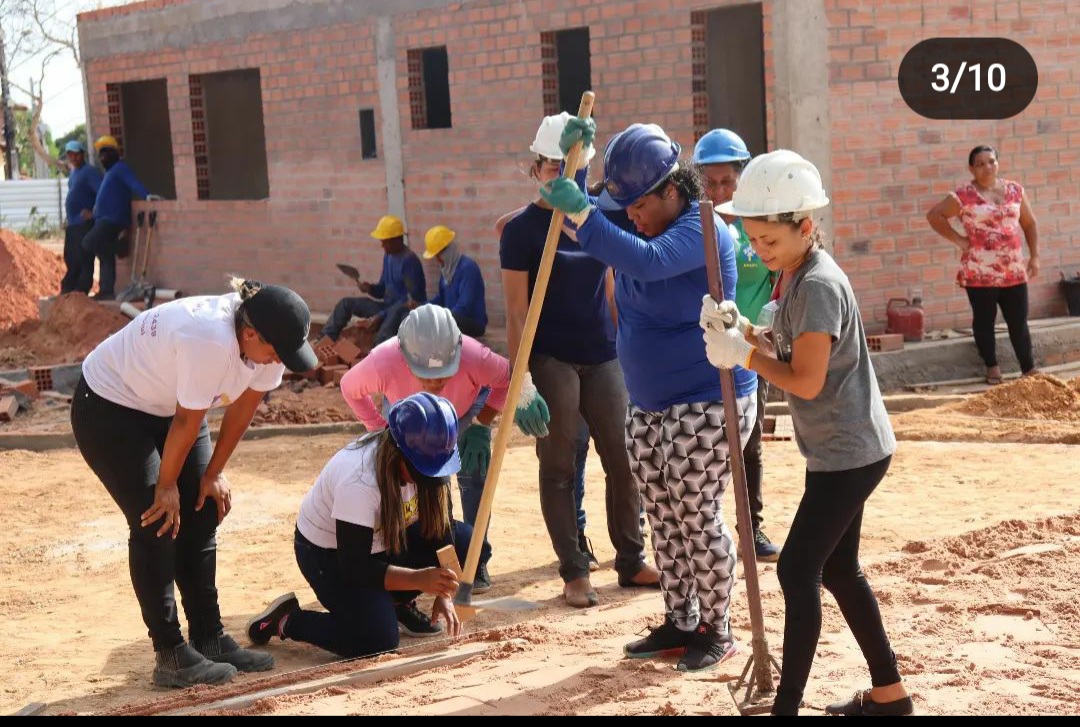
column 968, row 78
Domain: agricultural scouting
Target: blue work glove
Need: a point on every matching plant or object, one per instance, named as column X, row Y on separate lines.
column 564, row 194
column 475, row 449
column 576, row 129
column 532, row 415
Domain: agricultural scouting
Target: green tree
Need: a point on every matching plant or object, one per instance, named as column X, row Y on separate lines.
column 24, row 146
column 76, row 134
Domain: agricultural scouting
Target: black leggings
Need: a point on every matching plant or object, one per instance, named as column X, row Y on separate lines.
column 123, row 447
column 822, row 548
column 1014, row 307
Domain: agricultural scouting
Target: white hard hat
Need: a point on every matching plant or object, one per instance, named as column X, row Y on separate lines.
column 430, row 340
column 546, row 143
column 774, row 183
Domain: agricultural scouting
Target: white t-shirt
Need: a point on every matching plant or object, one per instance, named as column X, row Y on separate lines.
column 347, row 490
column 184, row 352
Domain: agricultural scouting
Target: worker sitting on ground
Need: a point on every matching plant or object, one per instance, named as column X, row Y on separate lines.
column 401, row 288
column 461, row 285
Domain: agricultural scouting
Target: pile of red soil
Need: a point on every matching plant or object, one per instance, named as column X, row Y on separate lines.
column 303, row 402
column 73, row 326
column 27, row 272
column 1032, row 397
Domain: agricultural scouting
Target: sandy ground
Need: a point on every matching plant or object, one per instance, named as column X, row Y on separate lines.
column 978, row 630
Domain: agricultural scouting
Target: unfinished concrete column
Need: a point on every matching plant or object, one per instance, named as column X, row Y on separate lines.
column 800, row 32
column 390, row 148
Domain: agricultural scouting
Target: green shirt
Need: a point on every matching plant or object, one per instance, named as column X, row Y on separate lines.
column 755, row 284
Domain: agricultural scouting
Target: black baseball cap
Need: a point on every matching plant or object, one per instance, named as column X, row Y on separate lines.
column 282, row 318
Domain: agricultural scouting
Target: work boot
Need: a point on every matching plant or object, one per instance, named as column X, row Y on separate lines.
column 269, row 623
column 647, row 577
column 585, row 546
column 580, row 594
column 182, row 666
column 224, row 650
column 861, row 705
column 766, row 550
column 664, row 639
column 414, row 622
column 482, row 582
column 706, row 650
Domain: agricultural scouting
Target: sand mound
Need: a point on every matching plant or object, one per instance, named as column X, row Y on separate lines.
column 303, row 402
column 73, row 326
column 1033, row 397
column 27, row 272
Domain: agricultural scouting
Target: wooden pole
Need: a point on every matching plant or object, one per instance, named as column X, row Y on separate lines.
column 517, row 377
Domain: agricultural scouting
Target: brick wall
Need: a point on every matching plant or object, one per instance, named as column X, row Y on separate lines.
column 890, row 165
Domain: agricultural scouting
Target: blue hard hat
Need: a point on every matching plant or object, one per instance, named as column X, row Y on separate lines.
column 74, row 146
column 720, row 146
column 636, row 161
column 425, row 429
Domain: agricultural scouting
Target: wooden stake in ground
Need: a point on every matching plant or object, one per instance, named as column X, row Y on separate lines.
column 760, row 681
column 521, row 367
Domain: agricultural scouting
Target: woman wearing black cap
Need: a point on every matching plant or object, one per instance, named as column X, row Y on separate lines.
column 139, row 418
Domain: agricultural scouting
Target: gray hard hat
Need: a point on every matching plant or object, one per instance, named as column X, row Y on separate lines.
column 430, row 341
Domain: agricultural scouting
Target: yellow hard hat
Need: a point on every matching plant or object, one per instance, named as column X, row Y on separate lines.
column 388, row 228
column 106, row 141
column 436, row 240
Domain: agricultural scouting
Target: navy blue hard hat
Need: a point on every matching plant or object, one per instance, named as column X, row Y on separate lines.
column 636, row 161
column 425, row 429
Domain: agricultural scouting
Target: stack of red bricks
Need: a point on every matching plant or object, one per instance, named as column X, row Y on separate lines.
column 335, row 359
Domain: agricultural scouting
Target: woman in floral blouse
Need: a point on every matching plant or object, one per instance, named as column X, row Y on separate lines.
column 997, row 219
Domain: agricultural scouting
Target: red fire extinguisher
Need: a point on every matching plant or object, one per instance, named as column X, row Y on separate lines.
column 906, row 317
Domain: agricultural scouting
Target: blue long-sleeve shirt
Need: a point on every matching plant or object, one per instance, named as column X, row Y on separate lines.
column 83, row 186
column 402, row 276
column 114, row 198
column 659, row 283
column 464, row 294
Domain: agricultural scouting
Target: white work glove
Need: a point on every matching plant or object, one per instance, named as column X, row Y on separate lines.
column 726, row 348
column 723, row 315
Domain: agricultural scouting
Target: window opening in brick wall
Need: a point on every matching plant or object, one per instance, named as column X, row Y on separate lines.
column 145, row 136
column 574, row 64
column 429, row 88
column 730, row 95
column 229, row 136
column 367, row 134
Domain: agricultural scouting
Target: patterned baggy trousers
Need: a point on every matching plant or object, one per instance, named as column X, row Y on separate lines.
column 680, row 460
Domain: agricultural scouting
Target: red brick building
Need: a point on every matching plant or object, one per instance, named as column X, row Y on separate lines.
column 280, row 130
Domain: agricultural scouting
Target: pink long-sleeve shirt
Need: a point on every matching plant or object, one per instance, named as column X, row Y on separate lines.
column 385, row 371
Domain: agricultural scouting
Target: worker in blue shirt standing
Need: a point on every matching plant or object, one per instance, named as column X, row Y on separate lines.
column 676, row 431
column 112, row 215
column 461, row 285
column 83, row 184
column 401, row 288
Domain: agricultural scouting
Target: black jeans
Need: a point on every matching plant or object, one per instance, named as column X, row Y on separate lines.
column 822, row 549
column 361, row 619
column 123, row 447
column 1014, row 307
column 469, row 326
column 755, row 472
column 346, row 308
column 73, row 257
column 101, row 242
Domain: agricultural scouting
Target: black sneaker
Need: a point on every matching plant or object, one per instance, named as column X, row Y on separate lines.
column 482, row 582
column 414, row 622
column 861, row 705
column 223, row 649
column 268, row 623
column 706, row 650
column 585, row 546
column 665, row 639
column 766, row 550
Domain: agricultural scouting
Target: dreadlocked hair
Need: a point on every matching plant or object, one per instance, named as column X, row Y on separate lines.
column 687, row 183
column 434, row 504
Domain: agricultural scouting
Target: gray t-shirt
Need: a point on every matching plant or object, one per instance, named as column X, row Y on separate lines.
column 846, row 425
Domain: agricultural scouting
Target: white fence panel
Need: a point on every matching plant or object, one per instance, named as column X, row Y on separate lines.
column 23, row 199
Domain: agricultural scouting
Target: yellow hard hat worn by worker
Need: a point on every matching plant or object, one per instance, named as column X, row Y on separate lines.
column 388, row 228
column 105, row 142
column 436, row 240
